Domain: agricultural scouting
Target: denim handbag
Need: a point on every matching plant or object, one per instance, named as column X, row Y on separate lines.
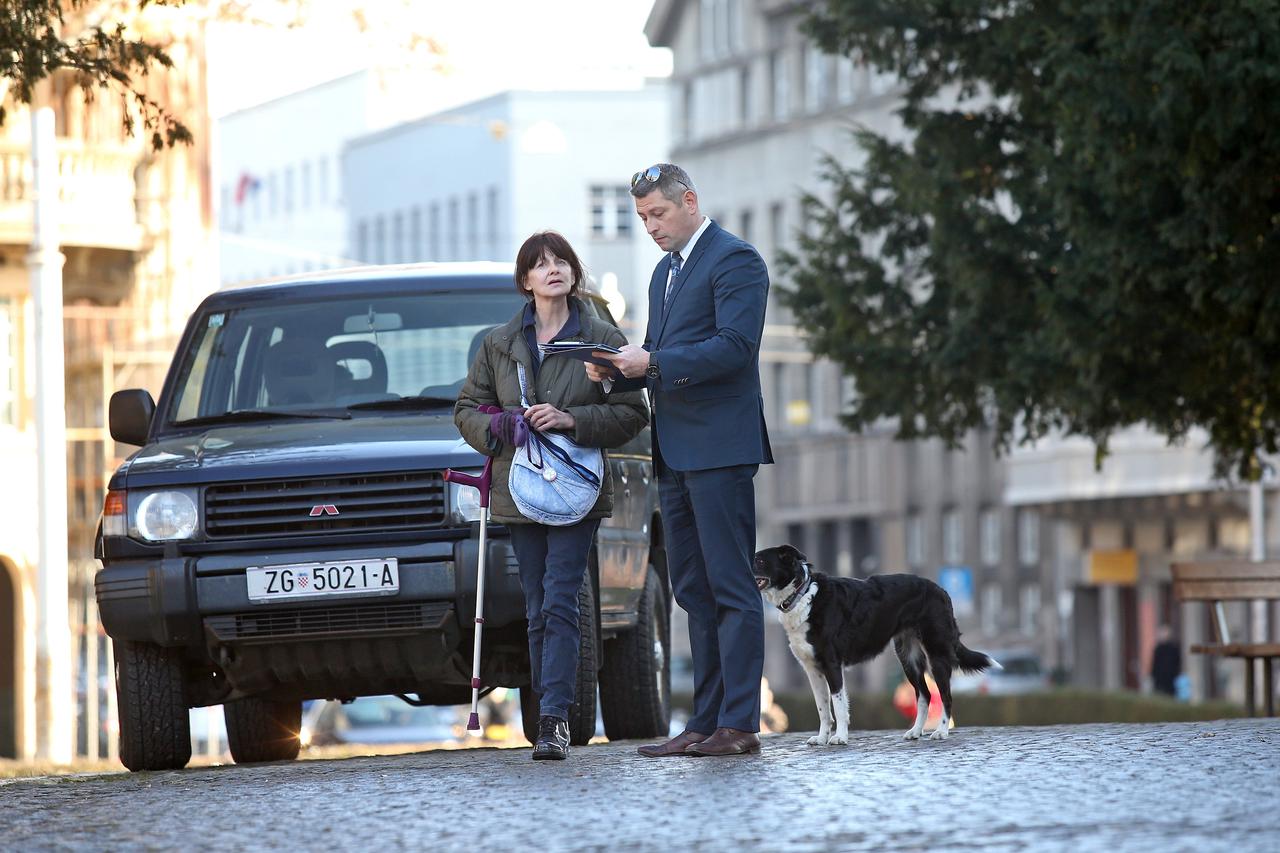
column 553, row 479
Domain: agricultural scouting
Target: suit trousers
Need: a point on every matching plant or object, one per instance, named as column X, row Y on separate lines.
column 709, row 518
column 553, row 562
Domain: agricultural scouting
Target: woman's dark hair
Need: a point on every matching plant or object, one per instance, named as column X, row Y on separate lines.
column 533, row 250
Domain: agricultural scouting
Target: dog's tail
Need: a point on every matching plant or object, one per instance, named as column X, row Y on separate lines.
column 968, row 660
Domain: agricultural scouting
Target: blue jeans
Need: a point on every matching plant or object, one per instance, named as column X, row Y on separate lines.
column 553, row 561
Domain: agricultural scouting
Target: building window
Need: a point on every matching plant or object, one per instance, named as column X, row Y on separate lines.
column 815, row 79
column 380, row 240
column 915, row 540
column 397, row 238
column 454, row 239
column 322, row 180
column 492, row 218
column 362, row 242
column 745, row 115
column 8, row 360
column 991, row 604
column 1029, row 537
column 989, row 536
column 744, row 225
column 610, row 208
column 781, row 85
column 795, row 537
column 689, row 111
column 304, row 189
column 953, row 537
column 1029, row 610
column 433, row 233
column 273, row 198
column 288, row 189
column 777, row 234
column 845, row 70
column 473, row 227
column 415, row 235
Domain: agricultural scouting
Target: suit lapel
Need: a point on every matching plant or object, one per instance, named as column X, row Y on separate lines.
column 685, row 271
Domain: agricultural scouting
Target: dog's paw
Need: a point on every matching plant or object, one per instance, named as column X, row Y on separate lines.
column 912, row 734
column 817, row 740
column 940, row 733
column 838, row 740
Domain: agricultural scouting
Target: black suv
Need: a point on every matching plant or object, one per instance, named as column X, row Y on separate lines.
column 284, row 533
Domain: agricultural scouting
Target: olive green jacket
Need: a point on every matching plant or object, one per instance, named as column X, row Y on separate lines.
column 600, row 421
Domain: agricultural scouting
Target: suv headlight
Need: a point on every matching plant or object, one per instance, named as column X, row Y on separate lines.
column 163, row 516
column 464, row 502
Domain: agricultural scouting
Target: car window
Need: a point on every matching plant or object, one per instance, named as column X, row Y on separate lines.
column 319, row 354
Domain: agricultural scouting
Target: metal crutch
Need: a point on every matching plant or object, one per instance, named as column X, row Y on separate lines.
column 481, row 483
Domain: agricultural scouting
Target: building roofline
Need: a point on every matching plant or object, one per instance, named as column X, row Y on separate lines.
column 276, row 100
column 659, row 26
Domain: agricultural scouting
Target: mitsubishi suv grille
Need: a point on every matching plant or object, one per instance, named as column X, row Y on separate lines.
column 374, row 502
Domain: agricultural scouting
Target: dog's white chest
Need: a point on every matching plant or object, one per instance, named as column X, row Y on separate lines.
column 795, row 622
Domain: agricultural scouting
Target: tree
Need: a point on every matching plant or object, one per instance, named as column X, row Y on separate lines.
column 1080, row 231
column 92, row 40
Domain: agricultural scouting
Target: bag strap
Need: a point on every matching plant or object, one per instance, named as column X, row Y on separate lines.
column 546, row 446
column 524, row 385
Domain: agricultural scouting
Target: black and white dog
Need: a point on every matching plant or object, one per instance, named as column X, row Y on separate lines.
column 836, row 622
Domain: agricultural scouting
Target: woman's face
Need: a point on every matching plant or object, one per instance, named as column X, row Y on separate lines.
column 550, row 277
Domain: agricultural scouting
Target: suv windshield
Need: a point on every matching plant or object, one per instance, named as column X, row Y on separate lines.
column 316, row 357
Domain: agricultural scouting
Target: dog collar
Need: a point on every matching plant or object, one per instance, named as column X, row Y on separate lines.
column 801, row 589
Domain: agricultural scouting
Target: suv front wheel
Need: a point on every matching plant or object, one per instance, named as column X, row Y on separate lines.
column 155, row 727
column 263, row 729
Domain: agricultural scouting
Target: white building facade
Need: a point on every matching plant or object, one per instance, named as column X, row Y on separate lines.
column 472, row 183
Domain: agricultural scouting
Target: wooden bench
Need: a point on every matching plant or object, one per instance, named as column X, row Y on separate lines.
column 1240, row 580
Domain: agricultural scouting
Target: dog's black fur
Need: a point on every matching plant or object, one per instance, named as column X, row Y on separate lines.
column 852, row 620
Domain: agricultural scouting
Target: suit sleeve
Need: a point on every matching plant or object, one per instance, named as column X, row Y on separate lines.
column 740, row 289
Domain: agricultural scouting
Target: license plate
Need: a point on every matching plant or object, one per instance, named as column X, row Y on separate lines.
column 323, row 580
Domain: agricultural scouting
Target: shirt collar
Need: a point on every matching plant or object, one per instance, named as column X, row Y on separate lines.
column 572, row 326
column 687, row 248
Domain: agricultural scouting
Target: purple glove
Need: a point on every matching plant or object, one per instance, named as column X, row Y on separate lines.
column 509, row 427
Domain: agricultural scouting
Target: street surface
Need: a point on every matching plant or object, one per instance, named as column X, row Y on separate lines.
column 1176, row 786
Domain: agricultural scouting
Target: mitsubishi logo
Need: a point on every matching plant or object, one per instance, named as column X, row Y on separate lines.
column 323, row 509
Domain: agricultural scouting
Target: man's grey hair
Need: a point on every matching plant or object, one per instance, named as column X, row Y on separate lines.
column 672, row 183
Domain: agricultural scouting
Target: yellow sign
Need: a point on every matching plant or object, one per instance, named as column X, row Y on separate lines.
column 1116, row 566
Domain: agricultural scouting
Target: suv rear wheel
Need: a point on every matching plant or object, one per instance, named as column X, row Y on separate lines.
column 155, row 727
column 635, row 681
column 263, row 729
column 582, row 716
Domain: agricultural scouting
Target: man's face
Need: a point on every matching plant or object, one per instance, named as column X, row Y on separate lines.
column 669, row 223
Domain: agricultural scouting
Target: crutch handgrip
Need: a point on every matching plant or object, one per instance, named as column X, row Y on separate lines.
column 481, row 482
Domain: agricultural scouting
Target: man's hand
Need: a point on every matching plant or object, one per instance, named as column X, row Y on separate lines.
column 545, row 416
column 631, row 361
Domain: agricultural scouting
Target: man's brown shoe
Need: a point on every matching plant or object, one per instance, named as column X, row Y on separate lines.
column 726, row 741
column 675, row 746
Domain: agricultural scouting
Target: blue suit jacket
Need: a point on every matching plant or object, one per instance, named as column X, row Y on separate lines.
column 707, row 405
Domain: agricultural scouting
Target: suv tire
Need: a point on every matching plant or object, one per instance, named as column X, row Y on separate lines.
column 263, row 729
column 635, row 680
column 582, row 716
column 155, row 727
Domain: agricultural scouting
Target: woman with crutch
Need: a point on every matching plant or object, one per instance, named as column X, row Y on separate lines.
column 512, row 401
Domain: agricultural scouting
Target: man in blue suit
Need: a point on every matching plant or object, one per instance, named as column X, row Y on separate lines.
column 700, row 360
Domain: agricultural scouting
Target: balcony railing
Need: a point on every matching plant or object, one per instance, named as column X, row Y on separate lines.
column 97, row 191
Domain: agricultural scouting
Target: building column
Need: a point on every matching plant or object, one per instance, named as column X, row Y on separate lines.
column 1112, row 653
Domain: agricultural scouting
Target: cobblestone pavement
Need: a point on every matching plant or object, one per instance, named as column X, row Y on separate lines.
column 1177, row 786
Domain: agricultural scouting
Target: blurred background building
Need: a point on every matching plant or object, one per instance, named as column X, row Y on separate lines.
column 135, row 232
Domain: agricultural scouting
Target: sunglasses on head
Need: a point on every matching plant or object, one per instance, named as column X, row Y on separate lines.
column 652, row 174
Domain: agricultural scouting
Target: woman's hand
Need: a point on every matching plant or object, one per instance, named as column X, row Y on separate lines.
column 545, row 416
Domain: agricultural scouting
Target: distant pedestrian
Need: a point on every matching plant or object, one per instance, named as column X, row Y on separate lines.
column 1166, row 661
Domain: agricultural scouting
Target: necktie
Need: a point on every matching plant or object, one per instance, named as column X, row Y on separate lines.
column 676, row 263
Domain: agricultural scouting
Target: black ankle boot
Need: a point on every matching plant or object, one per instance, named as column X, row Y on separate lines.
column 553, row 740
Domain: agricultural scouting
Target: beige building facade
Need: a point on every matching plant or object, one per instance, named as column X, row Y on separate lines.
column 134, row 228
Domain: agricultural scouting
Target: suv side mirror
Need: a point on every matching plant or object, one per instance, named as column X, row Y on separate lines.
column 129, row 416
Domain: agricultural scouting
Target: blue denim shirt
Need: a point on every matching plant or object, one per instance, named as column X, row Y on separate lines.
column 572, row 327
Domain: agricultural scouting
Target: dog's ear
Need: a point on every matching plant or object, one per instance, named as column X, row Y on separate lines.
column 792, row 556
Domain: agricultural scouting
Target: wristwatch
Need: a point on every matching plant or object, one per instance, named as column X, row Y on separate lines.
column 652, row 370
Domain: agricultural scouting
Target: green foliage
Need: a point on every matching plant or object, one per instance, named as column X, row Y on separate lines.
column 1080, row 232
column 39, row 38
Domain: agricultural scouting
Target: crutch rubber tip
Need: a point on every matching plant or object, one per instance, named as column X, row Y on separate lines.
column 473, row 723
